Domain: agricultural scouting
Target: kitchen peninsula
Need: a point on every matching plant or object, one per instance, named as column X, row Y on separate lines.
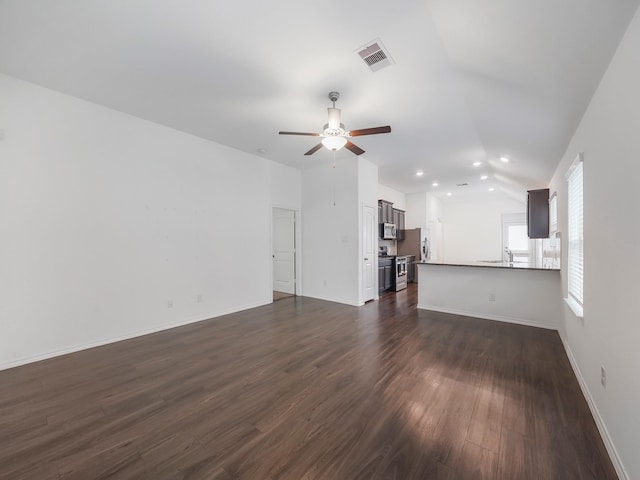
column 513, row 292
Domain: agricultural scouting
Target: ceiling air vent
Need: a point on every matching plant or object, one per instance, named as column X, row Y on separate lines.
column 375, row 55
column 462, row 184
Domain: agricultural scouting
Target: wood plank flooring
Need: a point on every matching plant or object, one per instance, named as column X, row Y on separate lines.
column 281, row 295
column 306, row 389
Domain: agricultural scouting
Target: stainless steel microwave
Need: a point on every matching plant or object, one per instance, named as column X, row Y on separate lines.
column 387, row 231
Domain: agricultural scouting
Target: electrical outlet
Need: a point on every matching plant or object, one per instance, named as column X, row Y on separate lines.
column 492, row 297
column 169, row 303
column 603, row 376
column 199, row 298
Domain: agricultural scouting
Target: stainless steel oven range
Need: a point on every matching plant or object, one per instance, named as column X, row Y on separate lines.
column 401, row 273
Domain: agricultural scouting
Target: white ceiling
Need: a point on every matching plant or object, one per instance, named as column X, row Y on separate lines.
column 473, row 79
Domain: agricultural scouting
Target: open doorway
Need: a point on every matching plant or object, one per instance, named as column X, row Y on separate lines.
column 284, row 253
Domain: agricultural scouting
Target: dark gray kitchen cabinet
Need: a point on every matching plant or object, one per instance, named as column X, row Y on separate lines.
column 538, row 213
column 385, row 274
column 385, row 211
column 388, row 277
column 411, row 269
column 398, row 221
column 380, row 280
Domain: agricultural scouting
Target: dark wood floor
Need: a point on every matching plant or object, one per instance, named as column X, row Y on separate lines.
column 280, row 295
column 306, row 389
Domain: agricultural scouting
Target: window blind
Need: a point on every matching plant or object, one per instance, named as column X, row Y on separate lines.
column 575, row 234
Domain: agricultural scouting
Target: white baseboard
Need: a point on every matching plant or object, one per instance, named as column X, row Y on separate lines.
column 335, row 300
column 106, row 341
column 604, row 433
column 487, row 316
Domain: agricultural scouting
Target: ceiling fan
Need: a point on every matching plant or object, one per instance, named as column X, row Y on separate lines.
column 334, row 135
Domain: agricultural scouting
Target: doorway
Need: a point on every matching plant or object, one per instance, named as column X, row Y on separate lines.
column 283, row 253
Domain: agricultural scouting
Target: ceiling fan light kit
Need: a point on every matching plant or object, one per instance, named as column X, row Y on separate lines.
column 334, row 142
column 335, row 136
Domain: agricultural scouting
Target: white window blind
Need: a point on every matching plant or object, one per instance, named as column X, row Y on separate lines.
column 575, row 234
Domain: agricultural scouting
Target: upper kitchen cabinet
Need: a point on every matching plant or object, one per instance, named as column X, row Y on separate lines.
column 398, row 221
column 385, row 211
column 538, row 213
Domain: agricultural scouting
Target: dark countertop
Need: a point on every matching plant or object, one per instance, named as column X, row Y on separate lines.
column 514, row 265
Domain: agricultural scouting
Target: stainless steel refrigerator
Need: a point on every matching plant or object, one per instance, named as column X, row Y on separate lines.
column 416, row 243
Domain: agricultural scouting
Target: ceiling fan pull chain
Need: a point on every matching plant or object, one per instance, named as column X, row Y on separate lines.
column 334, row 178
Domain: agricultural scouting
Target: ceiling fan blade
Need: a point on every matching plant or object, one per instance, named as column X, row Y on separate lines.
column 314, row 149
column 370, row 131
column 354, row 148
column 300, row 133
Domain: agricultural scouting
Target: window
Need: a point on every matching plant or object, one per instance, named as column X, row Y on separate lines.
column 514, row 236
column 575, row 236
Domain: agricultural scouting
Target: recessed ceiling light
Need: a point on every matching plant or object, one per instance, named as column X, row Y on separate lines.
column 449, row 194
column 419, row 173
column 504, row 159
column 477, row 164
column 491, row 189
column 484, row 177
column 434, row 184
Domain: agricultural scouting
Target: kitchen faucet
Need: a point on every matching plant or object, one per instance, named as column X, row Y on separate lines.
column 509, row 254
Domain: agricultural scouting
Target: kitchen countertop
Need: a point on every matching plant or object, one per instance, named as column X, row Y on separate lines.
column 491, row 264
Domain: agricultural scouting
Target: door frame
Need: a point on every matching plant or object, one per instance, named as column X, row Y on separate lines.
column 297, row 256
column 374, row 262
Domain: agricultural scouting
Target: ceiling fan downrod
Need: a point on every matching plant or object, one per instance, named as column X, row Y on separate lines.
column 334, row 96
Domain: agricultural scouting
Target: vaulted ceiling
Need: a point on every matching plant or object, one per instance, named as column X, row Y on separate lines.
column 471, row 80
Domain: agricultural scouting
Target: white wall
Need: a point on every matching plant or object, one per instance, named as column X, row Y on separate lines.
column 332, row 201
column 368, row 190
column 610, row 331
column 473, row 230
column 286, row 186
column 105, row 218
column 423, row 210
column 416, row 216
column 399, row 199
column 330, row 234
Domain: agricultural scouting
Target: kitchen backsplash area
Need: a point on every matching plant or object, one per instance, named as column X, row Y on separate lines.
column 390, row 244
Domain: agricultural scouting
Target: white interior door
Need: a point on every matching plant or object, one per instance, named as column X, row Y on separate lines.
column 284, row 251
column 368, row 251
